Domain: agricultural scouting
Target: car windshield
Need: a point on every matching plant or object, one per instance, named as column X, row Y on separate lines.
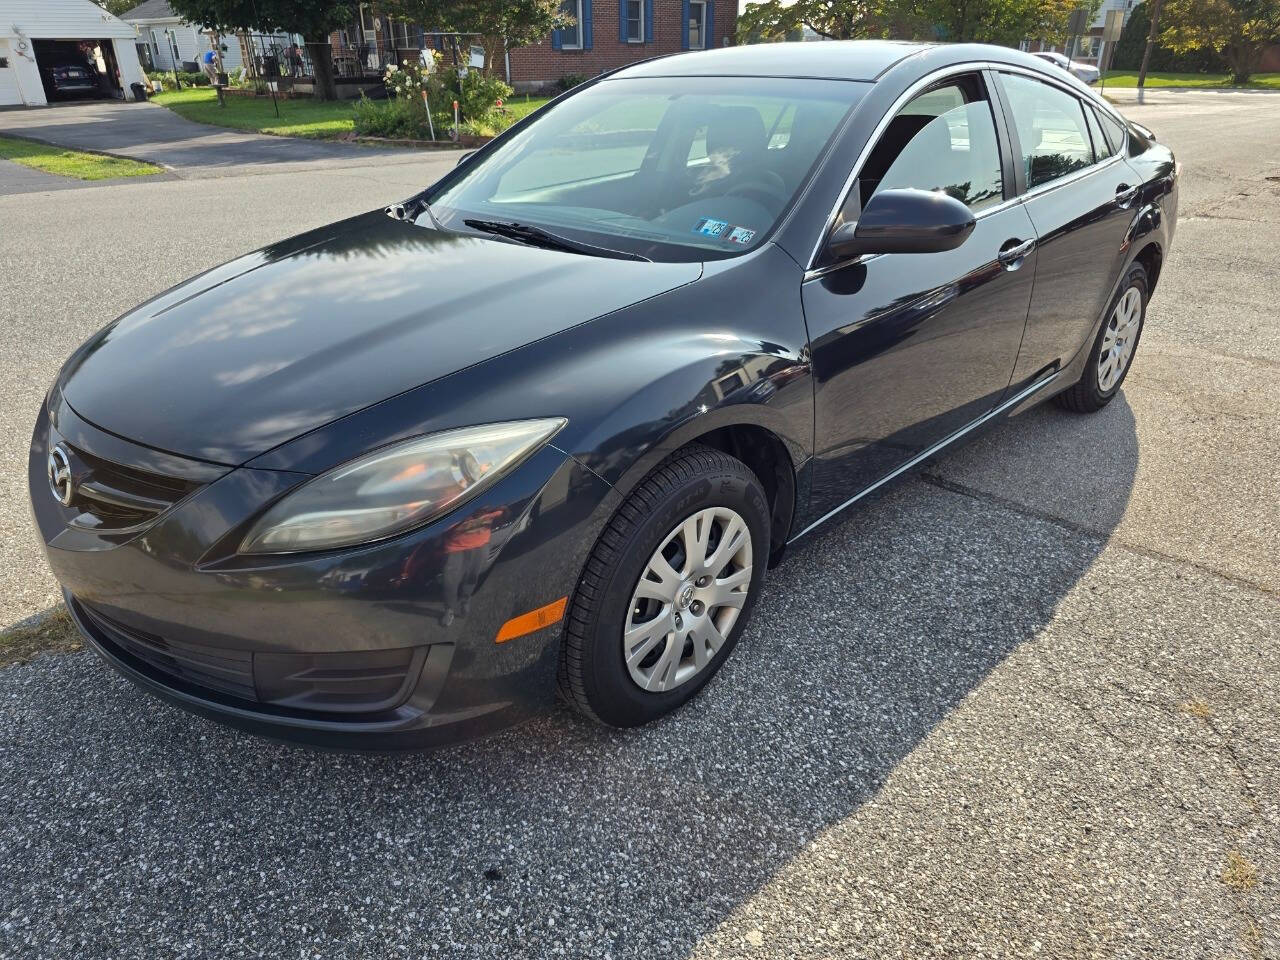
column 672, row 169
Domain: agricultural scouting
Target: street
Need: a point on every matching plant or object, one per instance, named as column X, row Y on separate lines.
column 1026, row 702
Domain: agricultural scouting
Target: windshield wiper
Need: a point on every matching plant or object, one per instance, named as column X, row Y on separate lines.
column 537, row 237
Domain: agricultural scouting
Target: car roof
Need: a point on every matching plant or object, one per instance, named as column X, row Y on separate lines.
column 835, row 59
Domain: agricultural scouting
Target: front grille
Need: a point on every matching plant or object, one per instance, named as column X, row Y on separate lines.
column 111, row 497
column 215, row 668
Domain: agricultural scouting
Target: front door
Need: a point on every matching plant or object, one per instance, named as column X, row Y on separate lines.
column 910, row 348
column 1080, row 195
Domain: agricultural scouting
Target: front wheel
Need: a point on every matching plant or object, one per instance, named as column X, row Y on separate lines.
column 1113, row 351
column 667, row 590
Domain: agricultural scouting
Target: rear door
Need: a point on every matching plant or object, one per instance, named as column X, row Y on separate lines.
column 1080, row 194
column 910, row 348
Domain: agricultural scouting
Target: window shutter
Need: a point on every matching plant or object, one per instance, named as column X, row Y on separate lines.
column 556, row 40
column 684, row 25
column 622, row 21
column 648, row 20
column 709, row 40
column 587, row 31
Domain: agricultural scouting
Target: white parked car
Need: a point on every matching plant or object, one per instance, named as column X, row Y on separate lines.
column 1081, row 71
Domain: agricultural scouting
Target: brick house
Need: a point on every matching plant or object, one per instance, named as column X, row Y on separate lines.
column 613, row 33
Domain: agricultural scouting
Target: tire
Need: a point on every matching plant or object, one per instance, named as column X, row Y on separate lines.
column 693, row 496
column 1096, row 388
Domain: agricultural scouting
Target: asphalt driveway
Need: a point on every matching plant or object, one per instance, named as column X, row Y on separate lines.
column 1026, row 703
column 148, row 131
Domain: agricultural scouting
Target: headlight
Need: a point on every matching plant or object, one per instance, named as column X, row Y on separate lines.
column 396, row 488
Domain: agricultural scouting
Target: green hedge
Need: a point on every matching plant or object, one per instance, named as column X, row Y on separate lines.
column 188, row 79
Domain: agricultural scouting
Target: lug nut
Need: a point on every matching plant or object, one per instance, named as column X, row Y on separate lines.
column 703, row 581
column 679, row 622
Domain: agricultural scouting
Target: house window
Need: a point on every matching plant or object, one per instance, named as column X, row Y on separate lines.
column 571, row 36
column 635, row 21
column 697, row 24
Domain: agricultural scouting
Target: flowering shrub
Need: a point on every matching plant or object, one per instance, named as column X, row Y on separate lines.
column 407, row 81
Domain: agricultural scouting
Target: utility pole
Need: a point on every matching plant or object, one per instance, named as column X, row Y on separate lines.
column 1151, row 42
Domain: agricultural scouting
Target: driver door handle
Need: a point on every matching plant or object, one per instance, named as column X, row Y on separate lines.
column 1125, row 194
column 1013, row 252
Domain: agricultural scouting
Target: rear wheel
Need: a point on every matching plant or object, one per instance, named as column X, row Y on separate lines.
column 1113, row 351
column 667, row 590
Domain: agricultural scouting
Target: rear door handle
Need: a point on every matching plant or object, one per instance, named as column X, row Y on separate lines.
column 1125, row 194
column 1013, row 251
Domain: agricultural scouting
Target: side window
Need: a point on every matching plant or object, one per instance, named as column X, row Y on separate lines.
column 1113, row 129
column 1101, row 148
column 944, row 139
column 1051, row 129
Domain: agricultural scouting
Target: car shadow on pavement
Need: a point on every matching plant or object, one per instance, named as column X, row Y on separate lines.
column 563, row 835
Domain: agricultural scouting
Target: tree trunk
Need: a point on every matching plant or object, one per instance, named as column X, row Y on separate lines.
column 322, row 67
column 1242, row 59
column 1151, row 42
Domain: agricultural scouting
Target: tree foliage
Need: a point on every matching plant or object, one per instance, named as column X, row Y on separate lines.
column 1133, row 43
column 313, row 19
column 774, row 20
column 1239, row 30
column 958, row 21
column 513, row 23
column 117, row 7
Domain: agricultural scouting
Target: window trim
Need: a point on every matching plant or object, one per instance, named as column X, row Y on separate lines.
column 999, row 118
column 639, row 21
column 579, row 40
column 1015, row 145
column 702, row 23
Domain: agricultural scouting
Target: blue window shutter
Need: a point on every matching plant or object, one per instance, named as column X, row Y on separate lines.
column 648, row 20
column 622, row 21
column 709, row 40
column 684, row 25
column 555, row 40
column 587, row 33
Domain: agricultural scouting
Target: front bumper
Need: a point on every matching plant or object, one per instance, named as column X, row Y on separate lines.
column 386, row 646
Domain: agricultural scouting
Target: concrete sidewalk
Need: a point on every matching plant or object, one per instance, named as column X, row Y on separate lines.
column 147, row 131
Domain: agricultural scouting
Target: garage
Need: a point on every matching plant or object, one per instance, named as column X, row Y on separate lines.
column 59, row 50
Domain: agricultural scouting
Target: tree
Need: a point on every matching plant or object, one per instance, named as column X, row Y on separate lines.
column 1239, row 30
column 313, row 19
column 959, row 21
column 501, row 24
column 117, row 7
column 773, row 20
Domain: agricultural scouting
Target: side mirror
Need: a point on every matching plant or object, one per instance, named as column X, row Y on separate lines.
column 465, row 157
column 903, row 221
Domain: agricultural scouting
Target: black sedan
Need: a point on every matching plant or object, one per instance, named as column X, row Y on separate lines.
column 544, row 425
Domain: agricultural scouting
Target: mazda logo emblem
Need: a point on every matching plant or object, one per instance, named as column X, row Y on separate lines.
column 60, row 480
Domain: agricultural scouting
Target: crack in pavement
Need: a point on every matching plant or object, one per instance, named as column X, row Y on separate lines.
column 964, row 490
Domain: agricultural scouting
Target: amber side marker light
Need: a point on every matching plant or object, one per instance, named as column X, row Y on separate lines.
column 533, row 620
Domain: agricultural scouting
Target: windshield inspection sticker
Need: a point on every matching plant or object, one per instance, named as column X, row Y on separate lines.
column 710, row 228
column 740, row 235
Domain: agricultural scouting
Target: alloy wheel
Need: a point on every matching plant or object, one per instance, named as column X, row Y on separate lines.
column 687, row 600
column 1120, row 338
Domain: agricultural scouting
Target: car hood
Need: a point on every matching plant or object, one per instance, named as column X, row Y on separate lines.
column 281, row 341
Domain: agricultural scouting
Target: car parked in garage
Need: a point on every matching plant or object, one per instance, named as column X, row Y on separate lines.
column 545, row 424
column 66, row 80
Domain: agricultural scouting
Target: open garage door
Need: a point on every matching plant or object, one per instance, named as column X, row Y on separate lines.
column 78, row 69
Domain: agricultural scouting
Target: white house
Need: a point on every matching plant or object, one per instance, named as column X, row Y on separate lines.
column 166, row 40
column 36, row 35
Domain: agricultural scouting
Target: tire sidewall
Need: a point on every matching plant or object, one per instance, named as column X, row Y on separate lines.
column 1135, row 276
column 614, row 695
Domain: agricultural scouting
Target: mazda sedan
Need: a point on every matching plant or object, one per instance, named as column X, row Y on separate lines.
column 545, row 425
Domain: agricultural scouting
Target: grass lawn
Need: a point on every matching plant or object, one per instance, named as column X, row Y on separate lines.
column 1126, row 78
column 303, row 117
column 72, row 163
column 521, row 106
